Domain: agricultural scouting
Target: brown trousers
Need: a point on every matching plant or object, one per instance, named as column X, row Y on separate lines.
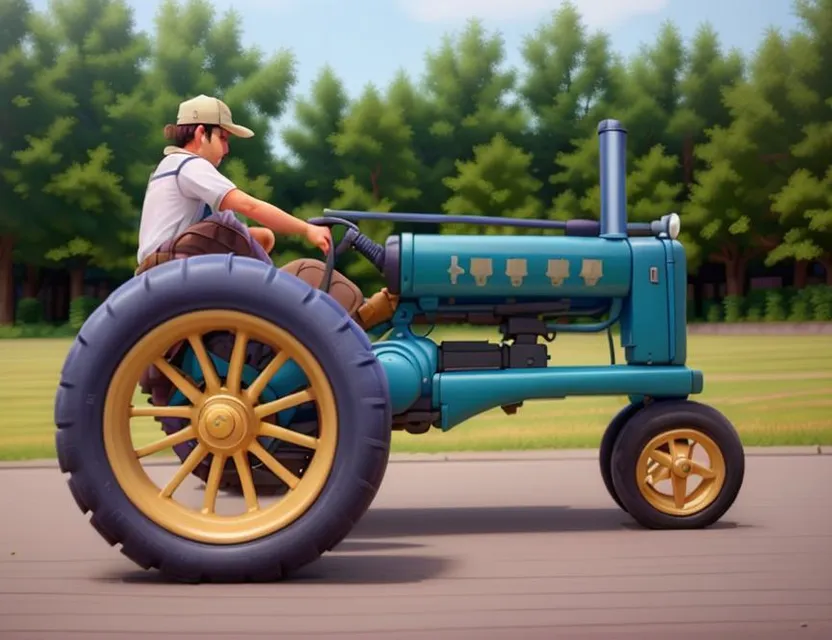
column 213, row 237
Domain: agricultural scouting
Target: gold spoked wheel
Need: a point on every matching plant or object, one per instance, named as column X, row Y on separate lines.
column 225, row 419
column 668, row 459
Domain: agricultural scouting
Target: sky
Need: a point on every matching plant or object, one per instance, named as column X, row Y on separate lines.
column 370, row 40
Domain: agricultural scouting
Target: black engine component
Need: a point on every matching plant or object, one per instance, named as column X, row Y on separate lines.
column 523, row 353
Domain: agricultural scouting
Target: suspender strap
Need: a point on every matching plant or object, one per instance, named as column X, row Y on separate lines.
column 174, row 172
column 206, row 210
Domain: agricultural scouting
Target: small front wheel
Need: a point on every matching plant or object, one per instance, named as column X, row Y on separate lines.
column 608, row 440
column 658, row 473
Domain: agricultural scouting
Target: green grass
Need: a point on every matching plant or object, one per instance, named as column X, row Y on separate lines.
column 776, row 390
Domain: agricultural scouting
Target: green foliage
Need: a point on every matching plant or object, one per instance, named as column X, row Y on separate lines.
column 733, row 308
column 810, row 304
column 80, row 309
column 36, row 331
column 374, row 147
column 310, row 138
column 29, row 311
column 740, row 147
column 775, row 311
column 821, row 301
column 495, row 181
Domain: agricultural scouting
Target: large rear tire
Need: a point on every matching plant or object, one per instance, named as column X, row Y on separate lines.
column 183, row 300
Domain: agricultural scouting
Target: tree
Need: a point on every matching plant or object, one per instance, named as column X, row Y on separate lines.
column 380, row 169
column 94, row 56
column 651, row 93
column 805, row 202
column 496, row 182
column 318, row 120
column 748, row 162
column 419, row 112
column 374, row 148
column 571, row 83
column 707, row 74
column 644, row 96
column 17, row 95
column 469, row 95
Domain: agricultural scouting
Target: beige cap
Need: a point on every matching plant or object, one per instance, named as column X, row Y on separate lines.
column 207, row 110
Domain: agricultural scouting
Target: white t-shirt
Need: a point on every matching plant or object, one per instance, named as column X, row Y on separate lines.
column 178, row 192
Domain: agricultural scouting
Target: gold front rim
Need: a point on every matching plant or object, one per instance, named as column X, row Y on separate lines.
column 225, row 419
column 668, row 458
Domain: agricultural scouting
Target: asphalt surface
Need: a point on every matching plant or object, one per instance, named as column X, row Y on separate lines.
column 474, row 547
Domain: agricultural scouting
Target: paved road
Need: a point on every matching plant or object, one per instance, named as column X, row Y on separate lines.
column 470, row 548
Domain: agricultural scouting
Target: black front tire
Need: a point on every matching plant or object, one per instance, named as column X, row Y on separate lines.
column 662, row 417
column 608, row 445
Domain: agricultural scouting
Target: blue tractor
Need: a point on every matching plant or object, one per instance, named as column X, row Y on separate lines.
column 271, row 379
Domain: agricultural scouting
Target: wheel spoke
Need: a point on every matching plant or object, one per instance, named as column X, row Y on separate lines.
column 683, row 449
column 701, row 470
column 212, row 485
column 287, row 435
column 662, row 458
column 246, row 481
column 179, row 381
column 286, row 402
column 256, row 388
column 274, row 466
column 680, row 490
column 209, row 373
column 658, row 474
column 196, row 456
column 235, row 366
column 164, row 411
column 188, row 433
column 703, row 488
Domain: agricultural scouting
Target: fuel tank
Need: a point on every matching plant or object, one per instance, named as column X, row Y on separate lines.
column 469, row 266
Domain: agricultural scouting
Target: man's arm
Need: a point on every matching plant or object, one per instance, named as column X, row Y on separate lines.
column 266, row 214
column 203, row 181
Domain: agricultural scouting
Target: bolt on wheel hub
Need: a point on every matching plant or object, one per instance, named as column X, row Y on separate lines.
column 224, row 424
column 682, row 467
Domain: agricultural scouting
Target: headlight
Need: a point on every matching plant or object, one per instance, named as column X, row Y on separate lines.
column 671, row 225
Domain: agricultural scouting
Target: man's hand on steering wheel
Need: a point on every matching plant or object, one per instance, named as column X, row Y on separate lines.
column 320, row 236
column 353, row 238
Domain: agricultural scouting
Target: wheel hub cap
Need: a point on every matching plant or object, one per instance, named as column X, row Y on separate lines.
column 224, row 424
column 682, row 468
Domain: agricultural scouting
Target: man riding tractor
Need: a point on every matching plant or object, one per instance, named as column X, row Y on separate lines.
column 189, row 210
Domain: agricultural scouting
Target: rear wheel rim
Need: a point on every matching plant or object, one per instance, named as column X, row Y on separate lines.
column 225, row 419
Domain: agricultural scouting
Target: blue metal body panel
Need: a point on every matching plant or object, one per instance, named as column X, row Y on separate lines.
column 462, row 395
column 679, row 300
column 645, row 319
column 467, row 266
column 410, row 363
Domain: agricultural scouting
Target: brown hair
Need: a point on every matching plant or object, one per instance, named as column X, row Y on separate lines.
column 182, row 134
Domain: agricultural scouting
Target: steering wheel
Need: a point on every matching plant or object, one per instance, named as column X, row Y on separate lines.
column 352, row 238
